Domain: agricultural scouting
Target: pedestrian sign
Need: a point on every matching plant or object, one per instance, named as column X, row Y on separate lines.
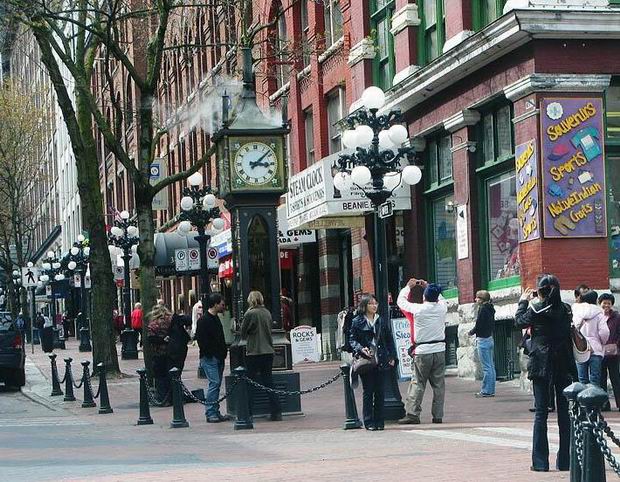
column 30, row 277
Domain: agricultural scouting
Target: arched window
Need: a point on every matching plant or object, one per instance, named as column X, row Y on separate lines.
column 281, row 57
column 260, row 260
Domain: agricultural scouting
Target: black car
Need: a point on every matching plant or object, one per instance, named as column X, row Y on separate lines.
column 12, row 353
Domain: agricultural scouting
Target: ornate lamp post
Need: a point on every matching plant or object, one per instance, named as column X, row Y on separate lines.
column 52, row 273
column 124, row 235
column 376, row 167
column 199, row 209
column 78, row 263
column 17, row 282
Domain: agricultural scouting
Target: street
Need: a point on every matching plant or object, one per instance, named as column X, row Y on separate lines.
column 44, row 438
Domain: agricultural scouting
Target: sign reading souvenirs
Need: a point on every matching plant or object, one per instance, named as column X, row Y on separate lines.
column 401, row 332
column 573, row 167
column 527, row 191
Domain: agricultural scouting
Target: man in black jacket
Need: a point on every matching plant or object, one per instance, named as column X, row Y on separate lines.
column 210, row 338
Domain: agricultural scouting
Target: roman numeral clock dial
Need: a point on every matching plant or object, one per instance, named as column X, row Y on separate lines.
column 256, row 163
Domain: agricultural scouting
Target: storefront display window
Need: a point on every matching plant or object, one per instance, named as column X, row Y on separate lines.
column 444, row 241
column 503, row 227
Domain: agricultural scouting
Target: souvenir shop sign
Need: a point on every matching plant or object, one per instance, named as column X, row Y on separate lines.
column 527, row 191
column 401, row 332
column 573, row 167
column 305, row 345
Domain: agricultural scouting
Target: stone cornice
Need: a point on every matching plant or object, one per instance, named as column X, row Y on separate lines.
column 363, row 50
column 405, row 17
column 461, row 119
column 456, row 39
column 556, row 82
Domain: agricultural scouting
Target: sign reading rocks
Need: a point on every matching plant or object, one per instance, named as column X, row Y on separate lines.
column 304, row 345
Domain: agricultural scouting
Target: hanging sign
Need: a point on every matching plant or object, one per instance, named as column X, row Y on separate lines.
column 573, row 167
column 304, row 345
column 527, row 191
column 402, row 341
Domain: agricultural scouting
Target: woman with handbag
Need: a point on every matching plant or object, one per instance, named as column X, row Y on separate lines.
column 374, row 351
column 551, row 361
column 610, row 349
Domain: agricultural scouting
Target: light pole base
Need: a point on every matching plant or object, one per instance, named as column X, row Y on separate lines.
column 129, row 350
column 85, row 340
column 394, row 409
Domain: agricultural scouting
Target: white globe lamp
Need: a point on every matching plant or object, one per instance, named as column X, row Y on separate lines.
column 187, row 203
column 412, row 175
column 125, row 215
column 385, row 142
column 72, row 265
column 75, row 250
column 364, row 135
column 373, row 98
column 218, row 224
column 349, row 138
column 195, row 179
column 209, row 201
column 398, row 134
column 361, row 175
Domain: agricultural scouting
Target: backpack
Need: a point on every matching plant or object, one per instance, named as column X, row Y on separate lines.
column 346, row 330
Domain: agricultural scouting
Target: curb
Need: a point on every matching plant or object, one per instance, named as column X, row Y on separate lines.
column 36, row 386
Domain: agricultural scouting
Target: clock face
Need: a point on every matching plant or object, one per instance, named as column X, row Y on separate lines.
column 256, row 163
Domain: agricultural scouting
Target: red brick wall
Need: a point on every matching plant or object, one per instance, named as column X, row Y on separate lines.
column 458, row 17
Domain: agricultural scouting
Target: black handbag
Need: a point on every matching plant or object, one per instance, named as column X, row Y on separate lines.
column 362, row 365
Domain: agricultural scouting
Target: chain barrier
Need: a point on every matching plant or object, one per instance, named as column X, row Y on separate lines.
column 63, row 378
column 293, row 392
column 600, row 428
column 578, row 431
column 188, row 393
column 152, row 399
column 75, row 384
column 90, row 387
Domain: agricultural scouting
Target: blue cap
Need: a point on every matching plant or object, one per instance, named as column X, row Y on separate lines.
column 432, row 292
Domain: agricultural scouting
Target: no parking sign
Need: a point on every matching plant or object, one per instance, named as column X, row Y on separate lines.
column 212, row 261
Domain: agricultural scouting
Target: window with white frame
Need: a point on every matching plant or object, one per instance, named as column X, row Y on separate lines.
column 333, row 21
column 309, row 136
column 335, row 112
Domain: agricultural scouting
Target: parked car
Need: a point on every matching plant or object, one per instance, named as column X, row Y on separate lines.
column 12, row 352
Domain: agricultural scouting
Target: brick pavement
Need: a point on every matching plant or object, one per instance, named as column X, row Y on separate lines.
column 480, row 439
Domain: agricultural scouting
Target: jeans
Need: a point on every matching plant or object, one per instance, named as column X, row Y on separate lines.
column 590, row 371
column 540, row 445
column 373, row 398
column 214, row 369
column 610, row 364
column 485, row 353
column 259, row 369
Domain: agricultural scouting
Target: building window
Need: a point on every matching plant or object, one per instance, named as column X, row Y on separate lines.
column 333, row 21
column 335, row 112
column 381, row 21
column 432, row 29
column 309, row 135
column 444, row 241
column 503, row 226
column 497, row 136
column 282, row 65
column 439, row 160
column 486, row 11
column 612, row 111
column 305, row 32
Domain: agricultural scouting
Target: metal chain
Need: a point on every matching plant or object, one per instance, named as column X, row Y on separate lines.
column 609, row 432
column 81, row 382
column 63, row 378
column 193, row 397
column 152, row 399
column 90, row 386
column 602, row 443
column 574, row 418
column 293, row 392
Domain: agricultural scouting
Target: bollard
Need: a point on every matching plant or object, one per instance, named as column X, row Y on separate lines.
column 243, row 420
column 104, row 397
column 591, row 401
column 350, row 409
column 571, row 393
column 85, row 340
column 88, row 392
column 178, row 413
column 145, row 411
column 55, row 381
column 69, row 396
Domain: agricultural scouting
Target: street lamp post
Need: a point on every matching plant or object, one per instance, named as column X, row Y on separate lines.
column 52, row 274
column 376, row 167
column 124, row 235
column 199, row 209
column 78, row 262
column 17, row 281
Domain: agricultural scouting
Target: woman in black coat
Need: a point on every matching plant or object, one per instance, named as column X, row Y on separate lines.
column 551, row 361
column 178, row 340
column 370, row 337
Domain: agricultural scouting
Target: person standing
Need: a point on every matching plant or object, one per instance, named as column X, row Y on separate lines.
column 429, row 358
column 178, row 339
column 485, row 325
column 610, row 349
column 158, row 328
column 551, row 361
column 137, row 320
column 590, row 320
column 370, row 338
column 256, row 331
column 213, row 350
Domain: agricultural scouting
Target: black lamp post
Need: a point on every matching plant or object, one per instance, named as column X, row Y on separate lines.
column 17, row 282
column 199, row 209
column 78, row 263
column 376, row 167
column 52, row 273
column 124, row 235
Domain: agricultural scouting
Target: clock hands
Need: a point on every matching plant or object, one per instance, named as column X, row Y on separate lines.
column 258, row 162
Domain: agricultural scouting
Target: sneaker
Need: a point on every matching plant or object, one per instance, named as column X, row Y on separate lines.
column 409, row 420
column 213, row 420
column 224, row 418
column 437, row 420
column 484, row 395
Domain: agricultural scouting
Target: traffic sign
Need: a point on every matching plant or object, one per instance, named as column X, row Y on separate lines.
column 30, row 277
column 212, row 261
column 386, row 210
column 193, row 255
column 180, row 260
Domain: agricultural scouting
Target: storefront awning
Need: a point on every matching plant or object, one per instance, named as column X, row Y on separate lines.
column 312, row 202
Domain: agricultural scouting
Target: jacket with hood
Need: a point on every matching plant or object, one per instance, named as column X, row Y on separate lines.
column 592, row 323
column 485, row 321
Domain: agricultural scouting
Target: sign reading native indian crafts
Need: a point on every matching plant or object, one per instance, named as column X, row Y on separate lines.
column 527, row 191
column 573, row 167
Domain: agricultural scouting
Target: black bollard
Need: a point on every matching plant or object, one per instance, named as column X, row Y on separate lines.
column 571, row 393
column 69, row 396
column 88, row 393
column 243, row 420
column 55, row 380
column 591, row 401
column 145, row 411
column 350, row 409
column 178, row 413
column 104, row 397
column 85, row 340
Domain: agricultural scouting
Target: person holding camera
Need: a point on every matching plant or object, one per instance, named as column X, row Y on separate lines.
column 371, row 340
column 551, row 361
column 428, row 349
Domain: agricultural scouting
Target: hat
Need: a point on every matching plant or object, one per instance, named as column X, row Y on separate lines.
column 432, row 292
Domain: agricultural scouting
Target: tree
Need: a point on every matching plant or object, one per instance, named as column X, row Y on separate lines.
column 22, row 127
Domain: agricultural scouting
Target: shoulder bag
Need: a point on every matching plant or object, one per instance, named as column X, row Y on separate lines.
column 362, row 365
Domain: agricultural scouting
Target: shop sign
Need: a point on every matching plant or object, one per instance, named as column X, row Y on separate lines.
column 312, row 195
column 223, row 243
column 401, row 332
column 305, row 345
column 573, row 167
column 157, row 173
column 462, row 241
column 292, row 237
column 286, row 258
column 527, row 191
